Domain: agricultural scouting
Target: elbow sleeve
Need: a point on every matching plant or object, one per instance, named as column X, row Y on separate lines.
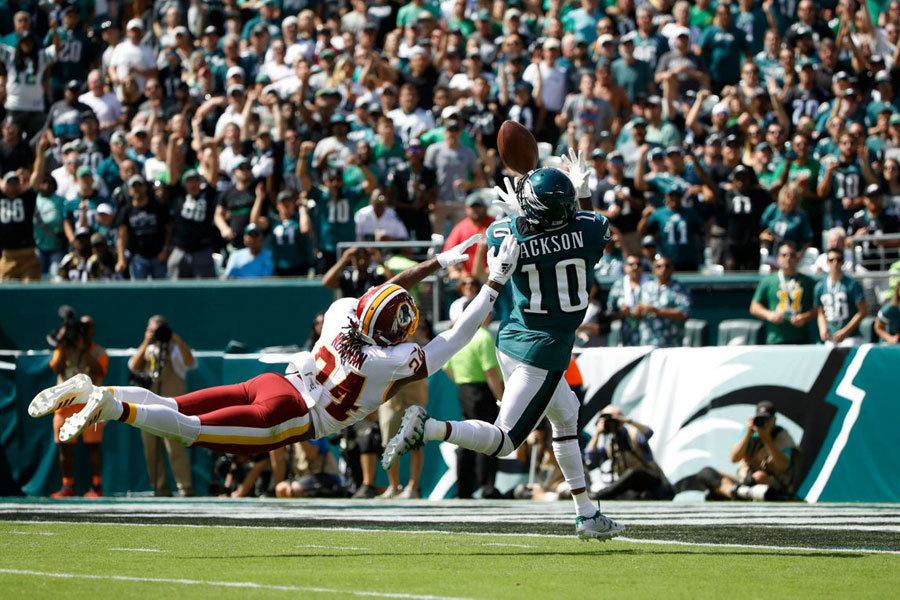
column 439, row 350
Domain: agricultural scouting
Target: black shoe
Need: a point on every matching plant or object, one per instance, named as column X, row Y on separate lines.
column 364, row 491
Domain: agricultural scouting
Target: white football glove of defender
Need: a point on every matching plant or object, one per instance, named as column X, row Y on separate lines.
column 457, row 254
column 506, row 199
column 578, row 172
column 502, row 261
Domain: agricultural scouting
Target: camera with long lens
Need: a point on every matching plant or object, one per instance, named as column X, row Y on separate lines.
column 70, row 329
column 163, row 334
column 611, row 424
column 760, row 421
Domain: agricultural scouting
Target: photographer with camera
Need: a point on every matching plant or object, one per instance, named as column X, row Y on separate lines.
column 767, row 455
column 75, row 352
column 160, row 364
column 635, row 474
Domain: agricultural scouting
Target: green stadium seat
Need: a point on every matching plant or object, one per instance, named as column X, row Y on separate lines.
column 867, row 331
column 696, row 333
column 740, row 332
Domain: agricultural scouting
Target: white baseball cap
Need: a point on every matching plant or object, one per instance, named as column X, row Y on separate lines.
column 135, row 24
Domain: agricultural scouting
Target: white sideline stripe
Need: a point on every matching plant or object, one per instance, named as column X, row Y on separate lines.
column 469, row 533
column 855, row 395
column 137, row 550
column 226, row 584
column 757, row 546
column 331, row 547
column 511, row 545
column 32, row 533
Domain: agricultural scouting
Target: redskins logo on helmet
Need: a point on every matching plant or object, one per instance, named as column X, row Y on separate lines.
column 386, row 315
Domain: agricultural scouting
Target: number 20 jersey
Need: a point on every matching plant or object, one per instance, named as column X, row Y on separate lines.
column 550, row 286
column 346, row 393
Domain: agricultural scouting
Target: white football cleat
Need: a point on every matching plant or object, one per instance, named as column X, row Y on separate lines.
column 99, row 407
column 410, row 436
column 74, row 390
column 598, row 527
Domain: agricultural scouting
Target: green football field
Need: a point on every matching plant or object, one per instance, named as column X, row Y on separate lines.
column 485, row 550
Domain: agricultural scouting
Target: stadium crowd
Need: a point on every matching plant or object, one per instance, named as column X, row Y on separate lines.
column 175, row 132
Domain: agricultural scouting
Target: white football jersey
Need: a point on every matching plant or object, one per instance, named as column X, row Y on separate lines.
column 349, row 392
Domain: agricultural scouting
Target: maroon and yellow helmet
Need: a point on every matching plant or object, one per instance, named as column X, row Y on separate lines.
column 386, row 315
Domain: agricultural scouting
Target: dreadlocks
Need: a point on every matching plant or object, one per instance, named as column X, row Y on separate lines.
column 350, row 343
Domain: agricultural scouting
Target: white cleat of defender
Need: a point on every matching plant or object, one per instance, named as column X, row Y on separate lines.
column 410, row 436
column 74, row 390
column 598, row 527
column 100, row 400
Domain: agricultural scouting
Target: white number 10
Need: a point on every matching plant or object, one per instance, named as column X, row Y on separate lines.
column 562, row 286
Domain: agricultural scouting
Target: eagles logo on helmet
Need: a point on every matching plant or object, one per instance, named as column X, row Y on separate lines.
column 386, row 315
column 547, row 197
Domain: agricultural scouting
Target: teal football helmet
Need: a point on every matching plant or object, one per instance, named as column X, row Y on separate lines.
column 547, row 197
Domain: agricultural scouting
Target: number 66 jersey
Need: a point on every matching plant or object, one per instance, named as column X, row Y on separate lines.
column 550, row 286
column 346, row 391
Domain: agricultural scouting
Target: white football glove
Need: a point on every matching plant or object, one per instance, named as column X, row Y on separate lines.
column 578, row 172
column 457, row 254
column 502, row 261
column 506, row 199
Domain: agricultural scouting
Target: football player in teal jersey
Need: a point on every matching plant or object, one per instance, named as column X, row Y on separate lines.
column 559, row 244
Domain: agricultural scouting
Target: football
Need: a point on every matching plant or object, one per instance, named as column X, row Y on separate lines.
column 518, row 148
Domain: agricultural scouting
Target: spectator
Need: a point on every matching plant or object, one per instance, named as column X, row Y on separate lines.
column 841, row 185
column 784, row 300
column 15, row 152
column 76, row 352
column 330, row 210
column 194, row 235
column 635, row 474
column 64, row 118
column 476, row 221
column 834, row 238
column 458, row 173
column 313, row 472
column 887, row 324
column 105, row 104
column 378, row 221
column 766, row 454
column 722, row 46
column 476, row 372
column 679, row 229
column 289, row 238
column 132, row 58
column 624, row 298
column 101, row 265
column 873, row 220
column 783, row 222
column 18, row 253
column 631, row 74
column 740, row 206
column 145, row 232
column 355, row 273
column 621, row 203
column 253, row 260
column 665, row 304
column 411, row 188
column 235, row 204
column 161, row 363
column 73, row 50
column 840, row 304
column 409, row 120
column 74, row 265
column 48, row 224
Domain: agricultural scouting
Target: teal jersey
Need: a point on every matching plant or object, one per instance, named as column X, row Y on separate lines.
column 659, row 331
column 794, row 227
column 889, row 316
column 838, row 301
column 754, row 26
column 333, row 219
column 290, row 248
column 679, row 234
column 549, row 287
column 75, row 55
column 48, row 222
column 846, row 182
column 723, row 52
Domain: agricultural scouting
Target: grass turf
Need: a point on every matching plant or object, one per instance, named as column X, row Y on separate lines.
column 342, row 564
